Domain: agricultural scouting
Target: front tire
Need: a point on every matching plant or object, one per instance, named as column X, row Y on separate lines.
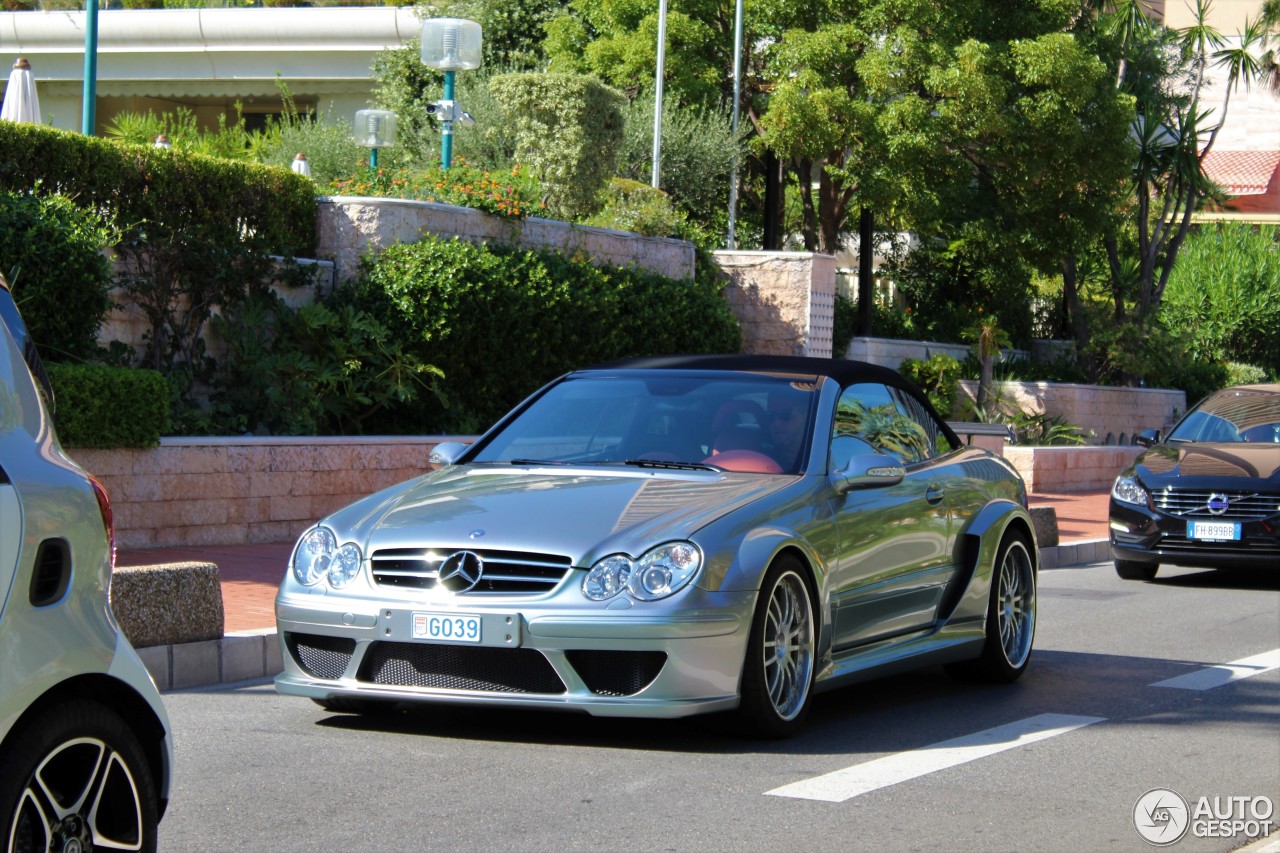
column 77, row 775
column 1131, row 570
column 1011, row 617
column 777, row 675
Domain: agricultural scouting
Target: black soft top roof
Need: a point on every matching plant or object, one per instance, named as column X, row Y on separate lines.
column 842, row 370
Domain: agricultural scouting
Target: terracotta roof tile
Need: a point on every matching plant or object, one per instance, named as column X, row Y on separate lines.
column 1242, row 172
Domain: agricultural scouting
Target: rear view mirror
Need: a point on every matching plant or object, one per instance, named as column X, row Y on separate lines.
column 1147, row 438
column 446, row 453
column 869, row 470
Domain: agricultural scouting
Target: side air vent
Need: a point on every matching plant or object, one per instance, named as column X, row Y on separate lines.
column 52, row 573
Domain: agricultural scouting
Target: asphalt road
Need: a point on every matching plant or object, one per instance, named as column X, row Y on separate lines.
column 1057, row 762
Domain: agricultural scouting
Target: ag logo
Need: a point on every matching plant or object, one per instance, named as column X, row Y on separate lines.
column 1161, row 817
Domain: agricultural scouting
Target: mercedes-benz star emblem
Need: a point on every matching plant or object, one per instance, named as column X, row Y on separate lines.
column 1218, row 504
column 461, row 571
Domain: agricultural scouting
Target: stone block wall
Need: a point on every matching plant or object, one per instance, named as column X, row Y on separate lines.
column 347, row 228
column 1069, row 469
column 236, row 491
column 785, row 301
column 1108, row 414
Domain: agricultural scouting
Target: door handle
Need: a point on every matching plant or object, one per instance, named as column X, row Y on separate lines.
column 934, row 494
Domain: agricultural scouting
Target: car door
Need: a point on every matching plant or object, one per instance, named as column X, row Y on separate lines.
column 894, row 558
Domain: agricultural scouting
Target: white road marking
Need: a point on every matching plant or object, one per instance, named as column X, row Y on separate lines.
column 841, row 785
column 1216, row 676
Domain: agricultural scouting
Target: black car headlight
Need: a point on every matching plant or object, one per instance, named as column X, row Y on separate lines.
column 661, row 572
column 318, row 557
column 1128, row 490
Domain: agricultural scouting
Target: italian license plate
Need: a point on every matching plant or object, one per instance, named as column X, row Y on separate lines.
column 1214, row 531
column 447, row 627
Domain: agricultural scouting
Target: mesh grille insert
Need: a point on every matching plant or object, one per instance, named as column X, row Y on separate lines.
column 321, row 657
column 460, row 668
column 617, row 673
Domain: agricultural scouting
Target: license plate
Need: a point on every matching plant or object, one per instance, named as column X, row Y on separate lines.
column 447, row 627
column 1216, row 531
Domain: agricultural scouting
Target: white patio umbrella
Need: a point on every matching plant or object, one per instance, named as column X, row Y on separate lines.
column 20, row 101
column 301, row 166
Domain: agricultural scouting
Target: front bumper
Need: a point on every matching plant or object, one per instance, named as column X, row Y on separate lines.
column 1142, row 535
column 637, row 661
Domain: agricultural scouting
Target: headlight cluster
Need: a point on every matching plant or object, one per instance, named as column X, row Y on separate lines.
column 661, row 572
column 317, row 557
column 1128, row 490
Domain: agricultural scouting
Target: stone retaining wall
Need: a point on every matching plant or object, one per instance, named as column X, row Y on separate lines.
column 236, row 491
column 1108, row 415
column 347, row 228
column 1069, row 469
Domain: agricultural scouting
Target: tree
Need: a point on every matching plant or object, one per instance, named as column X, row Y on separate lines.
column 1164, row 72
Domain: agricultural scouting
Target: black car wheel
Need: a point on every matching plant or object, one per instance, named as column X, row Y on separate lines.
column 77, row 779
column 1011, row 617
column 1131, row 570
column 777, row 676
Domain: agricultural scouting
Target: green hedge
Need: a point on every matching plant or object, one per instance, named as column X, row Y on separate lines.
column 174, row 192
column 499, row 322
column 101, row 406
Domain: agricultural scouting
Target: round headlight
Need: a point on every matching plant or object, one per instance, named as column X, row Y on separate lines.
column 607, row 578
column 1127, row 490
column 664, row 571
column 313, row 555
column 345, row 565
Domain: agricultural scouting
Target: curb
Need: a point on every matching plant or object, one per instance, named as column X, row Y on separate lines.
column 249, row 655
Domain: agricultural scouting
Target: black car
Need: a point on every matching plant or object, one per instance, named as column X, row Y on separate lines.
column 1207, row 495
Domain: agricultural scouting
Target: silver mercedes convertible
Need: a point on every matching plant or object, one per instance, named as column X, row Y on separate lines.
column 670, row 536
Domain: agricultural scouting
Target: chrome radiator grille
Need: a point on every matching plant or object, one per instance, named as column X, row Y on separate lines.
column 1195, row 504
column 504, row 572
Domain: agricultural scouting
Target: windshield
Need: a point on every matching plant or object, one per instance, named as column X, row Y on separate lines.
column 736, row 422
column 1232, row 417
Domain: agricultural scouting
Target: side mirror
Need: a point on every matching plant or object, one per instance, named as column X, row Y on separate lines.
column 446, row 453
column 868, row 471
column 1147, row 438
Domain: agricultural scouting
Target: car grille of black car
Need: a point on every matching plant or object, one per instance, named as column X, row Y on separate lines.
column 321, row 657
column 617, row 673
column 505, row 572
column 1243, row 506
column 459, row 668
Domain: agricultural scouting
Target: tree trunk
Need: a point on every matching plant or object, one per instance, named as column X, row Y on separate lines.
column 866, row 274
column 774, row 198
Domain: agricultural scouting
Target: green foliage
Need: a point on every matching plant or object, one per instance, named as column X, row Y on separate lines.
column 499, row 322
column 938, row 376
column 1247, row 374
column 511, row 193
column 951, row 289
column 101, row 406
column 568, row 132
column 182, row 129
column 51, row 254
column 323, row 369
column 1223, row 296
column 632, row 206
column 1044, row 431
column 698, row 156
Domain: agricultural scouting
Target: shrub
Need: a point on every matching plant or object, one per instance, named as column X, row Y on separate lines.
column 51, row 253
column 1223, row 297
column 632, row 206
column 101, row 406
column 937, row 376
column 568, row 130
column 499, row 321
column 511, row 193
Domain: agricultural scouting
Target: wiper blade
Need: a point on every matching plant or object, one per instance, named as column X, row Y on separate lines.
column 538, row 462
column 677, row 466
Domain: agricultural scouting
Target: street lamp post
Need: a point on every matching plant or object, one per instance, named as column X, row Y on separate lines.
column 450, row 45
column 375, row 129
column 88, row 113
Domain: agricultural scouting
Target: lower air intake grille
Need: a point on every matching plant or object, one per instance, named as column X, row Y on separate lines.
column 321, row 657
column 460, row 668
column 617, row 673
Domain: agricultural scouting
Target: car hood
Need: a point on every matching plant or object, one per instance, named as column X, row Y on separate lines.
column 1210, row 466
column 580, row 513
